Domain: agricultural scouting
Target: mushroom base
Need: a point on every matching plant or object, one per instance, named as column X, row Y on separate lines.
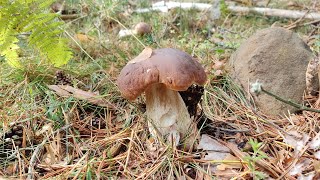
column 167, row 113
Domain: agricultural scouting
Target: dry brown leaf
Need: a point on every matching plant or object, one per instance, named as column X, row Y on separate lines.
column 145, row 54
column 49, row 157
column 59, row 91
column 93, row 98
column 53, row 151
column 283, row 157
column 219, row 65
column 113, row 71
column 150, row 143
column 293, row 4
column 83, row 38
column 226, row 174
column 48, row 128
column 199, row 175
column 316, row 165
column 12, row 168
column 274, row 172
column 207, row 177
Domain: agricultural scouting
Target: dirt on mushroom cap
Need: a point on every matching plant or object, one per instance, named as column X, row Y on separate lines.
column 172, row 67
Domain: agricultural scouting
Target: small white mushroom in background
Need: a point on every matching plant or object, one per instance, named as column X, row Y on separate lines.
column 140, row 29
column 161, row 73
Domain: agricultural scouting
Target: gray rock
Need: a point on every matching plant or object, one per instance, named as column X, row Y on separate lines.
column 278, row 58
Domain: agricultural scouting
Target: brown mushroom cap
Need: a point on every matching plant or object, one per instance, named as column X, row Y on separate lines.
column 142, row 28
column 172, row 67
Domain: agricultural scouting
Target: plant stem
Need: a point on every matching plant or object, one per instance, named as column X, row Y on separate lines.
column 291, row 103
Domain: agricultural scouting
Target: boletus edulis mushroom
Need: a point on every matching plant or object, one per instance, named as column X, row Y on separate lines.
column 161, row 73
column 140, row 29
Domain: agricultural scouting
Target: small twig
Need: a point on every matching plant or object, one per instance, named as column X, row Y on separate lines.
column 296, row 23
column 312, row 22
column 34, row 156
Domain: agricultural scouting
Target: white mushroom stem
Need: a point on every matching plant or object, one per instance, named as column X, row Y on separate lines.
column 167, row 112
column 126, row 32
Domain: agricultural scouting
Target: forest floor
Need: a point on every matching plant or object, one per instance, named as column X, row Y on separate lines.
column 45, row 136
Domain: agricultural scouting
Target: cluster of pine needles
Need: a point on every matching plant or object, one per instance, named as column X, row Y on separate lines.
column 82, row 148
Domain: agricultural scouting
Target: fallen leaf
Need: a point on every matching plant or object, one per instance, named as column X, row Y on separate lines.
column 293, row 4
column 145, row 54
column 83, row 38
column 226, row 174
column 112, row 70
column 12, row 168
column 296, row 140
column 298, row 168
column 151, row 144
column 219, row 65
column 309, row 176
column 317, row 154
column 61, row 92
column 199, row 175
column 215, row 156
column 261, row 162
column 207, row 143
column 45, row 129
column 316, row 165
column 93, row 98
column 315, row 143
column 283, row 157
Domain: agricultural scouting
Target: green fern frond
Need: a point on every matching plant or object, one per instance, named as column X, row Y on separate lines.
column 32, row 17
column 57, row 53
column 11, row 54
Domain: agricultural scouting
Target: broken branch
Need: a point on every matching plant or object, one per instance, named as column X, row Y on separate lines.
column 293, row 14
